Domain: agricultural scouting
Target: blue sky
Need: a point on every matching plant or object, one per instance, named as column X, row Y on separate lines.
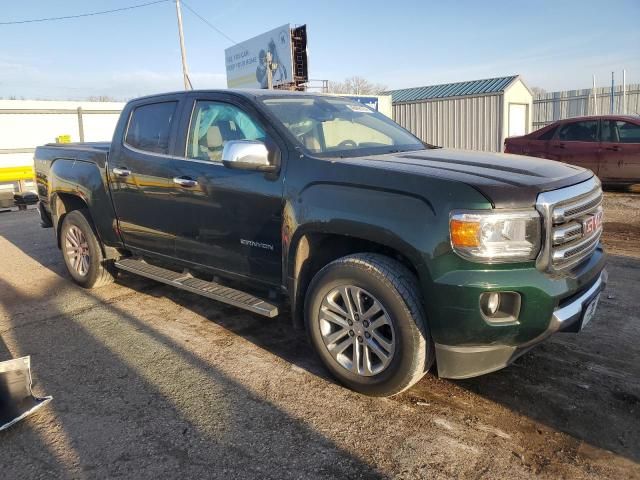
column 553, row 44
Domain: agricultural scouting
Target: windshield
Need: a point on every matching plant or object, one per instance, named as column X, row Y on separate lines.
column 335, row 127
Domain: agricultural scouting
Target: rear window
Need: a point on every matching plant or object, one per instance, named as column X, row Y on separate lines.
column 150, row 126
column 548, row 135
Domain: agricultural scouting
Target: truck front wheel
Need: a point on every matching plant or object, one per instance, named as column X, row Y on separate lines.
column 81, row 251
column 366, row 321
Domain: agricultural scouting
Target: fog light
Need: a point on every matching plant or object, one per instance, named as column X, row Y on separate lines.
column 500, row 307
column 493, row 302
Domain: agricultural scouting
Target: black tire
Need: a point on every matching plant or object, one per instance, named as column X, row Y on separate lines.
column 396, row 289
column 99, row 271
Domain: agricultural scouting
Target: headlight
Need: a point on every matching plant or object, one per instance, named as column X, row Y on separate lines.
column 495, row 236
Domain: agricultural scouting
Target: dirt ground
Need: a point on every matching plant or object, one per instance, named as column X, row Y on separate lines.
column 152, row 382
column 622, row 222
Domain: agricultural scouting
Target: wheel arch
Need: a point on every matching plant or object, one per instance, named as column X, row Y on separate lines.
column 64, row 203
column 81, row 184
column 312, row 250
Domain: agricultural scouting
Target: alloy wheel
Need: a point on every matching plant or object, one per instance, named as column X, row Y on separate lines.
column 77, row 250
column 356, row 330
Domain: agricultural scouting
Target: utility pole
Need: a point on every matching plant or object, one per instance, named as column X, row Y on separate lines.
column 185, row 70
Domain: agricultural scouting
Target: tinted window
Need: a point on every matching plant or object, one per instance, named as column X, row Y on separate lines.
column 608, row 132
column 586, row 131
column 213, row 124
column 628, row 132
column 150, row 126
column 548, row 135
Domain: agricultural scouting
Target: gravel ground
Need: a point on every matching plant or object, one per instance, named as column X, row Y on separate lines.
column 622, row 222
column 152, row 382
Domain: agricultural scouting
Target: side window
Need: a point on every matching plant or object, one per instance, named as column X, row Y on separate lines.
column 213, row 124
column 548, row 135
column 586, row 131
column 628, row 132
column 150, row 126
column 608, row 132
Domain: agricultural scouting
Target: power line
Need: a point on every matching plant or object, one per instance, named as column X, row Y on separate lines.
column 90, row 14
column 208, row 23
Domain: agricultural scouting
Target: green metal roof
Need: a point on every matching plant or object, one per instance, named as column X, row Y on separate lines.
column 474, row 87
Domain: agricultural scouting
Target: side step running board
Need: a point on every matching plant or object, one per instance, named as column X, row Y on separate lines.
column 211, row 290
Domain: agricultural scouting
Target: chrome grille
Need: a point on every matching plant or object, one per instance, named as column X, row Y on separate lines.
column 566, row 213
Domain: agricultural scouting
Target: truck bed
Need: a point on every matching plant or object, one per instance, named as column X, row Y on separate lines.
column 45, row 156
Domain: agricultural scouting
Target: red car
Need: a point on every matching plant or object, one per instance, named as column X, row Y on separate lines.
column 607, row 144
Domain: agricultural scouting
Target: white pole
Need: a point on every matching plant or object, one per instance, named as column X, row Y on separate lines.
column 612, row 93
column 624, row 94
column 185, row 70
column 595, row 97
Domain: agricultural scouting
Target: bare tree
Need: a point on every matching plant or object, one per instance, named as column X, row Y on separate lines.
column 357, row 85
column 101, row 98
column 537, row 91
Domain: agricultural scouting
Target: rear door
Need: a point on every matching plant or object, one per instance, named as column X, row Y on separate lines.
column 620, row 155
column 227, row 220
column 577, row 143
column 138, row 169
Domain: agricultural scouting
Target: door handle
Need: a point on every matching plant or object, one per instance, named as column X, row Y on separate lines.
column 121, row 172
column 615, row 148
column 560, row 145
column 185, row 182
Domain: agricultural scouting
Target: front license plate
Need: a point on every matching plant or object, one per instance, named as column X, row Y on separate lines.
column 590, row 311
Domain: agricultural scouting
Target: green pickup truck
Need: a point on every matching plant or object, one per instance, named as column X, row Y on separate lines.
column 393, row 254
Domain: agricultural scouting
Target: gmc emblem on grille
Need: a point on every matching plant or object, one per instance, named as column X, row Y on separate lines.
column 591, row 223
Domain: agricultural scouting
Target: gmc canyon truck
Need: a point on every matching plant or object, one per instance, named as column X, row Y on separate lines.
column 392, row 253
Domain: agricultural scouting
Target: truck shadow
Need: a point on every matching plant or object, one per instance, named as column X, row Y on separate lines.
column 585, row 385
column 128, row 398
column 562, row 384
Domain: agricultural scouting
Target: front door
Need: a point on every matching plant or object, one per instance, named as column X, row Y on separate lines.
column 138, row 174
column 577, row 143
column 620, row 154
column 228, row 220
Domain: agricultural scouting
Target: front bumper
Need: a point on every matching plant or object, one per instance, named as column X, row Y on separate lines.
column 471, row 361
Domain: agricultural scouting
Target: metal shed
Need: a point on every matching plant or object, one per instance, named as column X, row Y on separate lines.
column 475, row 115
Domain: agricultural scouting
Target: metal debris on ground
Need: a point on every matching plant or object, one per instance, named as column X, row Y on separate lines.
column 16, row 398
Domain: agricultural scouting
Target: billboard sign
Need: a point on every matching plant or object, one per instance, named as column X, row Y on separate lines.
column 245, row 62
column 371, row 102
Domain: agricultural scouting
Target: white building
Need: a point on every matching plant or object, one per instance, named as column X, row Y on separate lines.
column 25, row 124
column 475, row 115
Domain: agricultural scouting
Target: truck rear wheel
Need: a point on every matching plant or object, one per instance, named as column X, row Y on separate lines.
column 81, row 251
column 366, row 322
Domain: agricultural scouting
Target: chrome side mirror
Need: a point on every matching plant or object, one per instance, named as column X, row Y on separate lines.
column 246, row 155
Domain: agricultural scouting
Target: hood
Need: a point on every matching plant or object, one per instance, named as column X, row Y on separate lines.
column 508, row 181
